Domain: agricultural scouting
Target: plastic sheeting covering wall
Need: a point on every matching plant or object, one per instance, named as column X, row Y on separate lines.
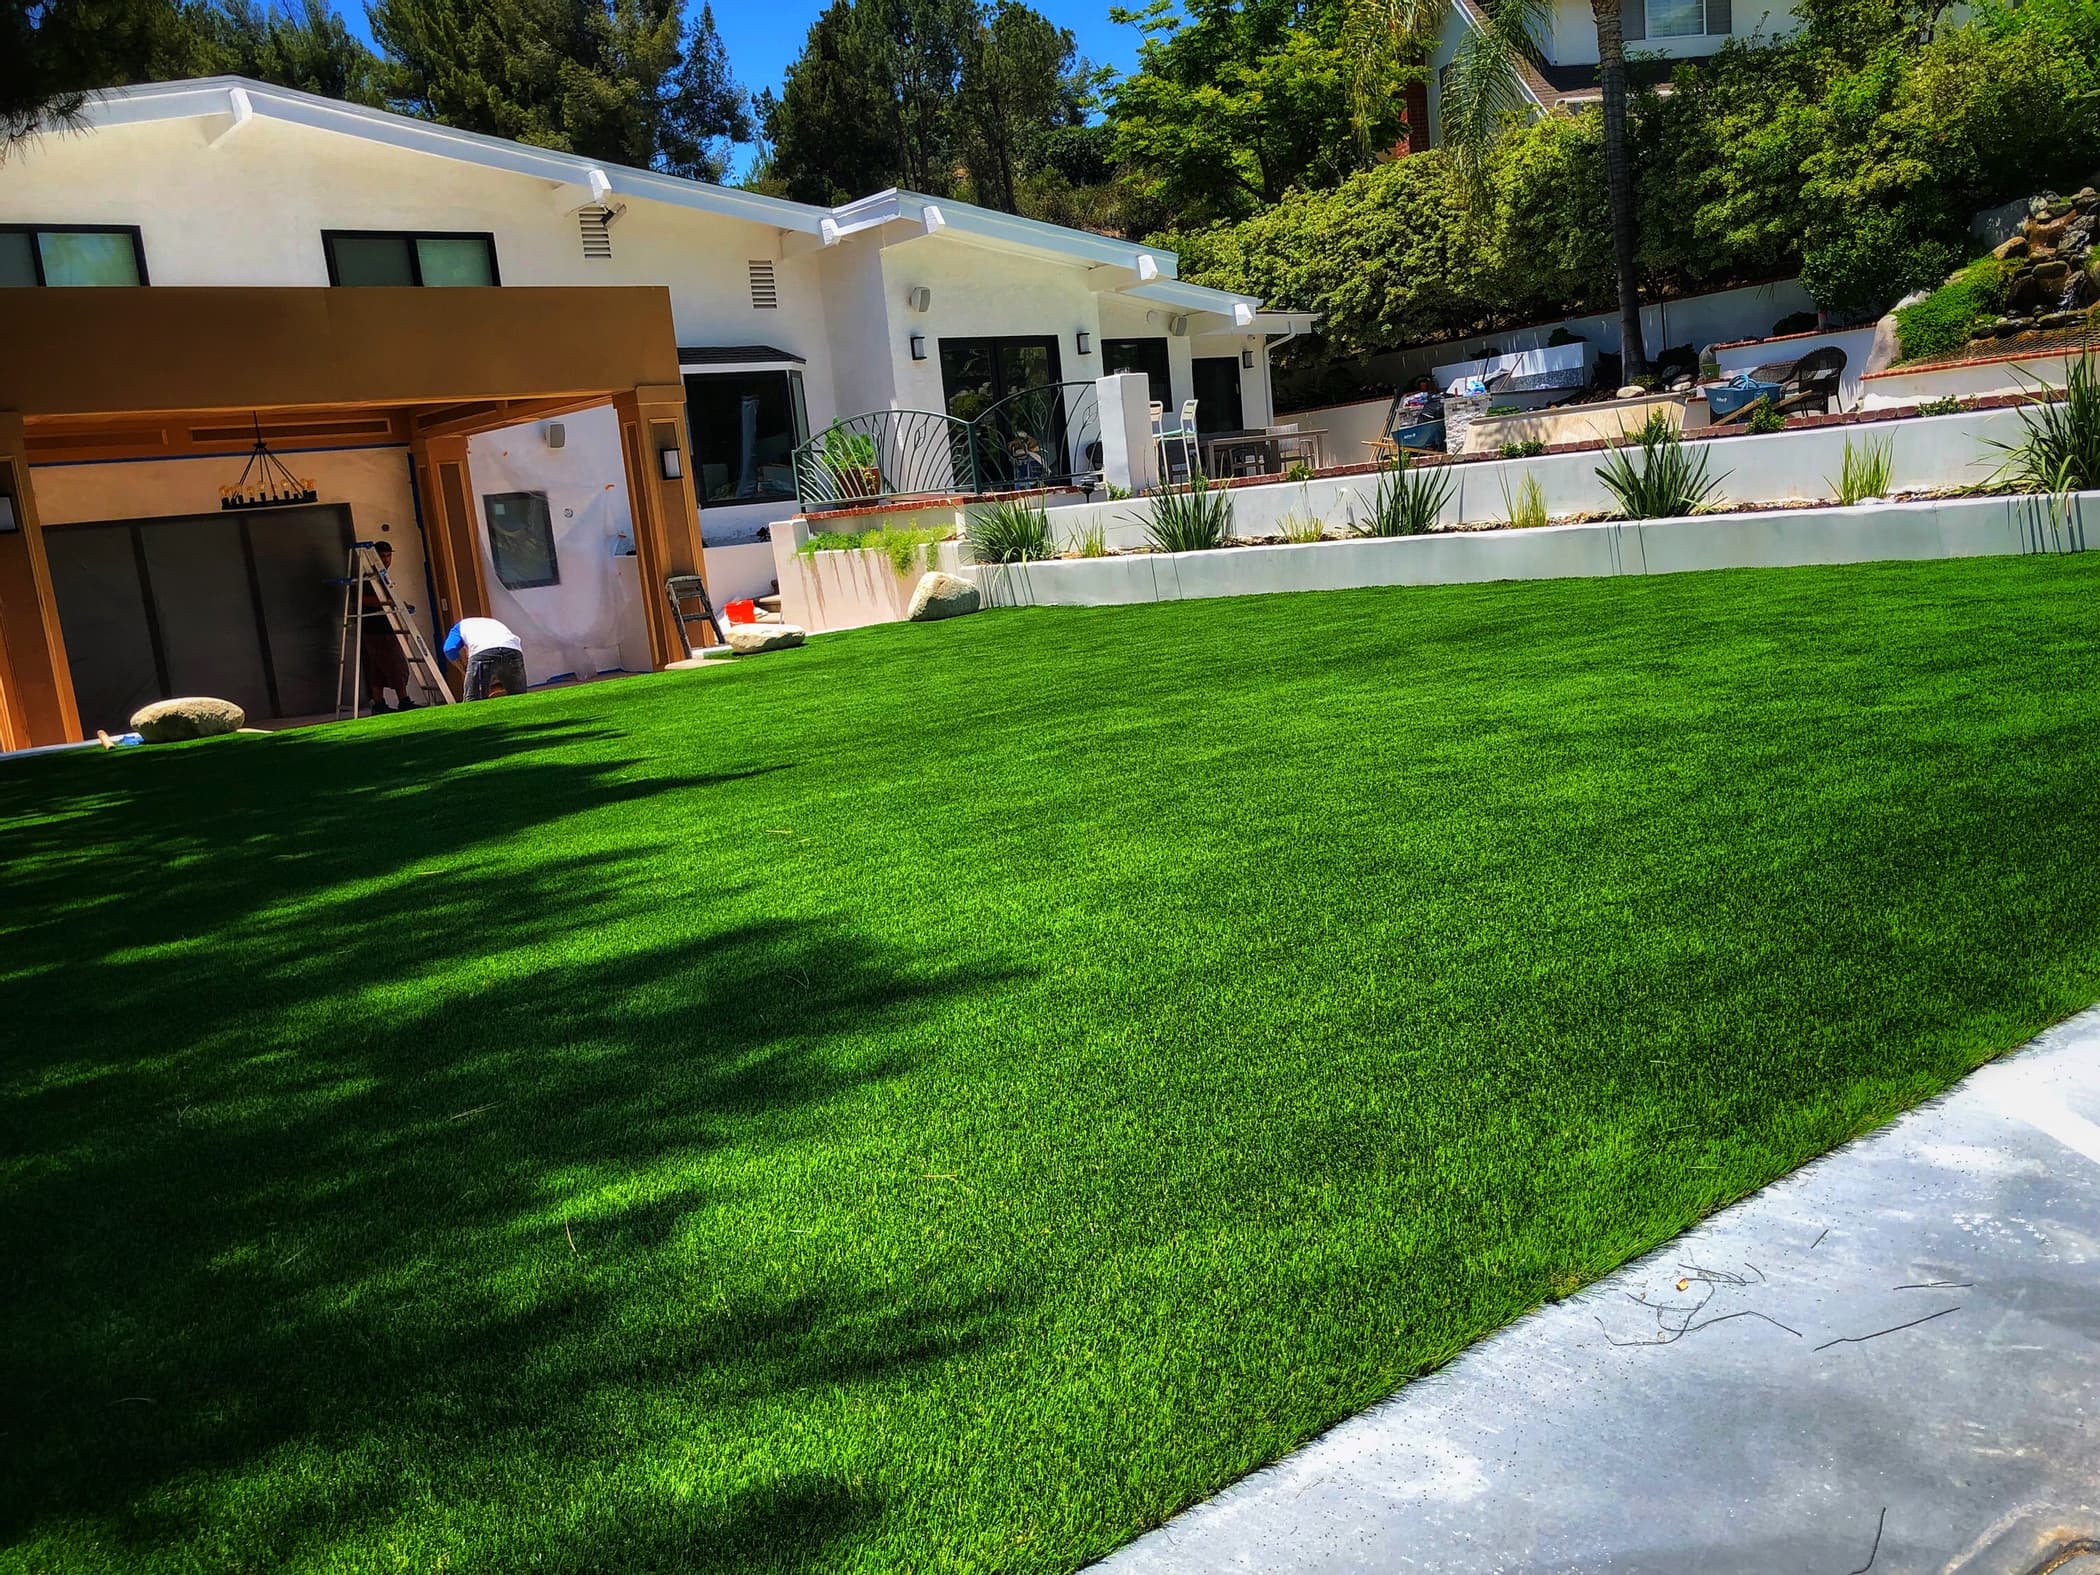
column 591, row 621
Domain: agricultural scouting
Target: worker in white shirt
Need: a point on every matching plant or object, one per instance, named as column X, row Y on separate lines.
column 494, row 656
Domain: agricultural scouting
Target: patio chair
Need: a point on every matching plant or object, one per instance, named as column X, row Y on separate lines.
column 1812, row 380
column 1182, row 437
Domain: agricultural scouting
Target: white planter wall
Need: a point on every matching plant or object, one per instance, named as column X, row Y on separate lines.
column 1951, row 528
column 1963, row 380
column 1926, row 454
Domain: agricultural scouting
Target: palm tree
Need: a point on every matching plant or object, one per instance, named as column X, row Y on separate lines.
column 1485, row 87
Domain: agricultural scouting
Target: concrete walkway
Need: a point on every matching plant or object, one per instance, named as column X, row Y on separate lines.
column 1889, row 1361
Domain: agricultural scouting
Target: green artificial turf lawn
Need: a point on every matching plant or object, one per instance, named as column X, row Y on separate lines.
column 948, row 1097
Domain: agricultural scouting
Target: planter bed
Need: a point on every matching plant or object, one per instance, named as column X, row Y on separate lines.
column 1924, row 528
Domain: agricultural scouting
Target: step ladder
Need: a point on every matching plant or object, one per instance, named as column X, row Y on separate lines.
column 361, row 574
column 682, row 590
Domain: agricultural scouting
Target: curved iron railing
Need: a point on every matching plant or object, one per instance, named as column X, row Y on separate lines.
column 1040, row 437
column 884, row 456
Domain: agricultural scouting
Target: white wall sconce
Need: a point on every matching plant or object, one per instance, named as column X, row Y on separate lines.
column 557, row 435
column 918, row 347
column 671, row 463
column 1086, row 342
column 1247, row 359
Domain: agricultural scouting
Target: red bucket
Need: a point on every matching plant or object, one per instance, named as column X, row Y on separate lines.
column 742, row 610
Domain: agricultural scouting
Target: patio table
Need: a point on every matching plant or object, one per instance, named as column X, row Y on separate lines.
column 1268, row 442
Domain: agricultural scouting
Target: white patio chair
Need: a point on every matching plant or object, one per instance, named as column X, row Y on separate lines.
column 1183, row 437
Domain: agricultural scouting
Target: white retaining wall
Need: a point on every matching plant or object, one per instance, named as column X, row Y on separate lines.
column 1964, row 380
column 1926, row 454
column 1948, row 528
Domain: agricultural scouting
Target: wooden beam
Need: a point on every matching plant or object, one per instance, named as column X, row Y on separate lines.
column 472, row 420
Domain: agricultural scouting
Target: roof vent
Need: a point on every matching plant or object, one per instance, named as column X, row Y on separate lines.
column 765, row 294
column 595, row 226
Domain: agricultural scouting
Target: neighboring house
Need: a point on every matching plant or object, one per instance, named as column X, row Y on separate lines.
column 1565, row 74
column 641, row 358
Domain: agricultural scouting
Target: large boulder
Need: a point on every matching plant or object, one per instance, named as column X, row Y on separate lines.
column 943, row 596
column 750, row 639
column 192, row 716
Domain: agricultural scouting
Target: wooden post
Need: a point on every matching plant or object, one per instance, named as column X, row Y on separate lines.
column 665, row 509
column 445, row 490
column 36, row 683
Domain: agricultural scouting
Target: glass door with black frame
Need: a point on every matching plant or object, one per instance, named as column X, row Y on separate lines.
column 1018, row 433
column 1217, row 380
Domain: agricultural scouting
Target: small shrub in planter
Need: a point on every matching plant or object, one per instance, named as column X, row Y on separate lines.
column 1193, row 518
column 1865, row 472
column 1526, row 508
column 850, row 458
column 2059, row 451
column 1527, row 448
column 1764, row 420
column 1669, row 478
column 1010, row 531
column 1949, row 406
column 1408, row 500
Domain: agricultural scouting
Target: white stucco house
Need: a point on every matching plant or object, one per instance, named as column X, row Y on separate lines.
column 1565, row 74
column 784, row 317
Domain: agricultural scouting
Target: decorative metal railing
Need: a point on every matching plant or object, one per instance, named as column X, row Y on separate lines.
column 1040, row 437
column 884, row 457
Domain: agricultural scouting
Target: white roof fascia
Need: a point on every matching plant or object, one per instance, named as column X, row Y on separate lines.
column 590, row 181
column 1237, row 311
column 968, row 222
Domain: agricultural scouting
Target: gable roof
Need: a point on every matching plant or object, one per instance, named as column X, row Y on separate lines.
column 238, row 100
column 241, row 100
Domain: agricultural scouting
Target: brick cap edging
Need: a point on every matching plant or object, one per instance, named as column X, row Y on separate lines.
column 2038, row 353
column 1806, row 333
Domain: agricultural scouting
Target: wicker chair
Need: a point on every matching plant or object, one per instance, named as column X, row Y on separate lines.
column 1811, row 381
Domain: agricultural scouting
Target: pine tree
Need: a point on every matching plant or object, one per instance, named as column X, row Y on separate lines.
column 832, row 132
column 704, row 110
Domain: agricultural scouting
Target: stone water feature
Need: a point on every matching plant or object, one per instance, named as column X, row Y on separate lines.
column 2055, row 268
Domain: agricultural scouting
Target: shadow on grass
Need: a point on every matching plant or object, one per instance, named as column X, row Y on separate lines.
column 348, row 1162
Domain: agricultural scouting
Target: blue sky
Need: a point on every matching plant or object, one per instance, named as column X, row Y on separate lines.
column 764, row 38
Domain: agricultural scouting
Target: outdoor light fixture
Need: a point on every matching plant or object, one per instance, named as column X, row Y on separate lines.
column 918, row 347
column 1086, row 342
column 1247, row 359
column 9, row 524
column 673, row 466
column 265, row 482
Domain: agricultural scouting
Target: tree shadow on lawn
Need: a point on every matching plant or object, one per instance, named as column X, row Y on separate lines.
column 339, row 1195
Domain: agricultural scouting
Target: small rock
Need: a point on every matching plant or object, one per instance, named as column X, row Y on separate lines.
column 1631, row 391
column 943, row 596
column 2006, row 251
column 750, row 639
column 192, row 716
column 2085, row 200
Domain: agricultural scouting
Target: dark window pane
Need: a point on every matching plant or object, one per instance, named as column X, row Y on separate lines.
column 1140, row 355
column 744, row 432
column 373, row 259
column 17, row 259
column 521, row 540
column 75, row 258
column 968, row 377
column 448, row 262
